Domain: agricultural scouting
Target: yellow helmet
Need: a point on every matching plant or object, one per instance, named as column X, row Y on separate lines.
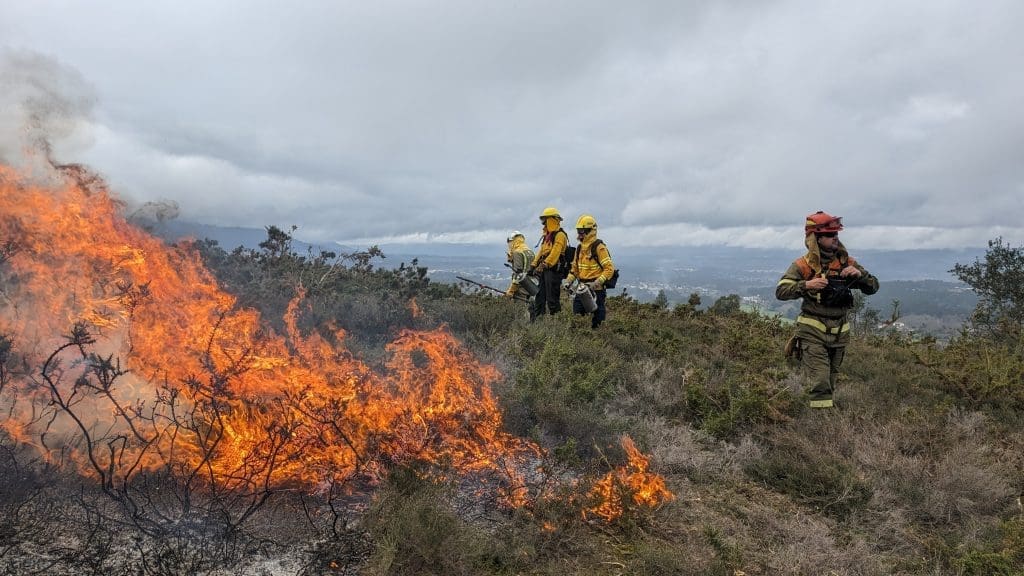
column 550, row 212
column 586, row 222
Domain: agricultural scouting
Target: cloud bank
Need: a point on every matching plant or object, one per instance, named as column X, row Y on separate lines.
column 671, row 123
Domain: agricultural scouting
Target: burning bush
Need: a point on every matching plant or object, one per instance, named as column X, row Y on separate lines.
column 153, row 377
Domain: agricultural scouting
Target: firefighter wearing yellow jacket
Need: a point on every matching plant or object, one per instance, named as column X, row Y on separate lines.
column 519, row 257
column 593, row 266
column 823, row 278
column 545, row 262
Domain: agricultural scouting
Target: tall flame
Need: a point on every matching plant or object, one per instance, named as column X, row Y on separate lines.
column 151, row 366
column 300, row 400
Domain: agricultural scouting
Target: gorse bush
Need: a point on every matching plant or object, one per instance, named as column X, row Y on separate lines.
column 414, row 531
column 567, row 376
column 342, row 290
column 981, row 372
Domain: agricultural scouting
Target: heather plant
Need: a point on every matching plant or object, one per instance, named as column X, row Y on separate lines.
column 814, row 474
column 413, row 530
column 1001, row 555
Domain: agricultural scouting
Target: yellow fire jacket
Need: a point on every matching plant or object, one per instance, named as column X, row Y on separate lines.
column 552, row 245
column 586, row 268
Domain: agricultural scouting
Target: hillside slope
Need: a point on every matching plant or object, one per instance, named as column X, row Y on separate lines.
column 918, row 471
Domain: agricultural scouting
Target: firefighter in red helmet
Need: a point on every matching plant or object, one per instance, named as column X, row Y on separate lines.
column 823, row 278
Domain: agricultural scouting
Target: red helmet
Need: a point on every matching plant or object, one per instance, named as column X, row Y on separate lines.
column 823, row 222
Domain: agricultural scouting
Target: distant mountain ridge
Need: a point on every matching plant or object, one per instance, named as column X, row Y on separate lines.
column 931, row 264
column 228, row 237
column 931, row 298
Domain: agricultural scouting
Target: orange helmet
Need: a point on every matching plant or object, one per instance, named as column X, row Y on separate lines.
column 823, row 222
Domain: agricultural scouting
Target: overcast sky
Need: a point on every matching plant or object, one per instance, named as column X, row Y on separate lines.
column 671, row 122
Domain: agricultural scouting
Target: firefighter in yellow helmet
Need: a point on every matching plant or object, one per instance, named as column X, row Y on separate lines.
column 520, row 257
column 823, row 278
column 593, row 267
column 545, row 263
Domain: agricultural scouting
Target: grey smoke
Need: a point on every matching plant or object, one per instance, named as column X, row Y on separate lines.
column 45, row 107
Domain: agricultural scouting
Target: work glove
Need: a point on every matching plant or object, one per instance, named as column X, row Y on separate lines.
column 511, row 292
column 595, row 285
column 541, row 268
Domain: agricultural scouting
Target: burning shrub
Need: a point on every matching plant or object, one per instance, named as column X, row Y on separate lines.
column 162, row 374
column 628, row 488
column 189, row 412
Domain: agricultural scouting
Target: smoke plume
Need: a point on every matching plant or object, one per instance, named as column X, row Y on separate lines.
column 45, row 108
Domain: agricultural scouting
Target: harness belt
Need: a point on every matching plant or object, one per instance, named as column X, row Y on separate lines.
column 801, row 319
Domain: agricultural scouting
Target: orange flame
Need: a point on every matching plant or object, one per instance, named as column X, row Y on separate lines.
column 645, row 489
column 205, row 389
column 204, row 386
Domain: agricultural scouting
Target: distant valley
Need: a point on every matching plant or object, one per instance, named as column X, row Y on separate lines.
column 931, row 300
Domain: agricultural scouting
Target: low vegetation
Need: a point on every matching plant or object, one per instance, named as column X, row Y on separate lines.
column 920, row 470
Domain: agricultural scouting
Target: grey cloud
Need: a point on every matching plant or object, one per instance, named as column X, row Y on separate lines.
column 670, row 121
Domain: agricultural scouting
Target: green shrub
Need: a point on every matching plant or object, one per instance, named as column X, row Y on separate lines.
column 413, row 530
column 982, row 372
column 1003, row 559
column 567, row 375
column 728, row 556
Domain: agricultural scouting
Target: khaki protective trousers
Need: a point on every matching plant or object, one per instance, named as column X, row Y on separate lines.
column 821, row 355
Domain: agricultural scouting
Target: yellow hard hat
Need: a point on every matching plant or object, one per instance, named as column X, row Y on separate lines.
column 550, row 212
column 586, row 221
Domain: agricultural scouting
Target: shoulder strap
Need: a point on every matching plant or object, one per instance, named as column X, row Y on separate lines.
column 563, row 257
column 593, row 252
